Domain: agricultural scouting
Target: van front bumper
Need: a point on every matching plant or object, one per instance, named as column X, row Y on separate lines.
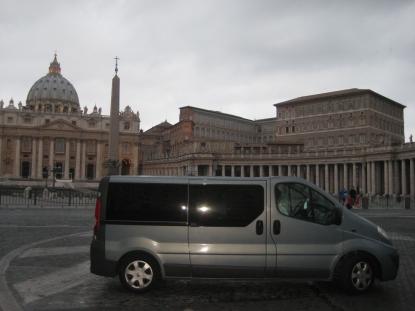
column 390, row 266
column 99, row 264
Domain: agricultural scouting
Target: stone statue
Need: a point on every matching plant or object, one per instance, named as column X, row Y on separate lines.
column 1, row 104
column 85, row 110
column 410, row 139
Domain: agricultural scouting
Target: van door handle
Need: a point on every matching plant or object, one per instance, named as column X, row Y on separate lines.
column 259, row 227
column 276, row 228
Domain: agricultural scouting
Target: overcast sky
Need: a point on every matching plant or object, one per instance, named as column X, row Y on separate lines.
column 238, row 57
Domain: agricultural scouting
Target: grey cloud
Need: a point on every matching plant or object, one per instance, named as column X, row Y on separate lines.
column 235, row 56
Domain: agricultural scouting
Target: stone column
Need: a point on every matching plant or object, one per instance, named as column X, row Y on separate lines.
column 396, row 179
column 279, row 170
column 1, row 159
column 364, row 178
column 223, row 170
column 67, row 149
column 261, row 171
column 307, row 172
column 412, row 177
column 390, row 177
column 354, row 175
column 298, row 170
column 33, row 164
column 242, row 171
column 345, row 176
column 40, row 158
column 233, row 170
column 318, row 175
column 403, row 176
column 385, row 177
column 270, row 173
column 51, row 154
column 251, row 171
column 373, row 177
column 288, row 170
column 326, row 177
column 135, row 162
column 17, row 158
column 336, row 179
column 369, row 177
column 98, row 171
column 83, row 160
column 78, row 160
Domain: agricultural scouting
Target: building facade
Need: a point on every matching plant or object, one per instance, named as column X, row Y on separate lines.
column 343, row 139
column 52, row 131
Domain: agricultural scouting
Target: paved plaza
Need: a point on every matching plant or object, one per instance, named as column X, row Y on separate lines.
column 44, row 265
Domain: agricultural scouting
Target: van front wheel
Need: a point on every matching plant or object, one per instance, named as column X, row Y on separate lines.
column 358, row 274
column 138, row 273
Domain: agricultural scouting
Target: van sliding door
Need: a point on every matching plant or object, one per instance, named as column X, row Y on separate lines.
column 227, row 228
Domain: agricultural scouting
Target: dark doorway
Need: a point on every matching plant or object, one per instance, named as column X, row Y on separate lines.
column 90, row 168
column 25, row 169
column 125, row 167
column 58, row 170
column 203, row 170
column 72, row 173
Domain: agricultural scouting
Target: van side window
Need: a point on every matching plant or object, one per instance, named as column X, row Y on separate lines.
column 225, row 205
column 301, row 202
column 147, row 202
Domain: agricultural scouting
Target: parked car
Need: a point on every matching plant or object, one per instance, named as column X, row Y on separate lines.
column 152, row 228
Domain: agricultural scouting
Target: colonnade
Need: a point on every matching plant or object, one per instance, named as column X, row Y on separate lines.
column 37, row 161
column 386, row 177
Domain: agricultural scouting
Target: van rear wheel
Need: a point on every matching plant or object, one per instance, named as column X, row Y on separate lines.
column 139, row 273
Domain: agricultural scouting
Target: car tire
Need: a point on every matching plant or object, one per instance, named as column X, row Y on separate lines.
column 356, row 274
column 139, row 273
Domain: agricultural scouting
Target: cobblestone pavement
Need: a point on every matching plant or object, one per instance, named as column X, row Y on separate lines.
column 55, row 275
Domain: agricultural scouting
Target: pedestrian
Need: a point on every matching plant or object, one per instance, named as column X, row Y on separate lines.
column 349, row 202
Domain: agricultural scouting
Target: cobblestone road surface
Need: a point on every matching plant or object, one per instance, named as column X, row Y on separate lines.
column 55, row 275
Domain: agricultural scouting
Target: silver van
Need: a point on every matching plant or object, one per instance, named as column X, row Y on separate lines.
column 149, row 228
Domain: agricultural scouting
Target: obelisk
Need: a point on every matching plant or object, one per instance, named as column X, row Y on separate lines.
column 113, row 161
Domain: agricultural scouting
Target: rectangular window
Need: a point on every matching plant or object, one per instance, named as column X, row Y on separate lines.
column 225, row 205
column 301, row 202
column 147, row 202
column 59, row 145
column 26, row 144
column 91, row 147
column 126, row 148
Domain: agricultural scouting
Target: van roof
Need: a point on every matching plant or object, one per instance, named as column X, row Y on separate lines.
column 140, row 178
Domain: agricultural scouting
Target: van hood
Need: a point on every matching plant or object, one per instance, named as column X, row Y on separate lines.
column 357, row 225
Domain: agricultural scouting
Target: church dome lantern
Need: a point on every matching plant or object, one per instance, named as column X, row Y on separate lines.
column 53, row 93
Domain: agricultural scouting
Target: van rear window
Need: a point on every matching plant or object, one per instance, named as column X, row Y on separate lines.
column 147, row 202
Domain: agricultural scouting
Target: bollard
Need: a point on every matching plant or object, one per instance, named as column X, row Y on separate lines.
column 365, row 202
column 407, row 202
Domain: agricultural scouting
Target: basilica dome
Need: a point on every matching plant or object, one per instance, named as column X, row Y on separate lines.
column 53, row 93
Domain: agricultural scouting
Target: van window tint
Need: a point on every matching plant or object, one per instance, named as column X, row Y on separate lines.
column 147, row 202
column 225, row 205
column 302, row 202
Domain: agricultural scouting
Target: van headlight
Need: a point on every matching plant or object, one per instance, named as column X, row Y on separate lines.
column 383, row 233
